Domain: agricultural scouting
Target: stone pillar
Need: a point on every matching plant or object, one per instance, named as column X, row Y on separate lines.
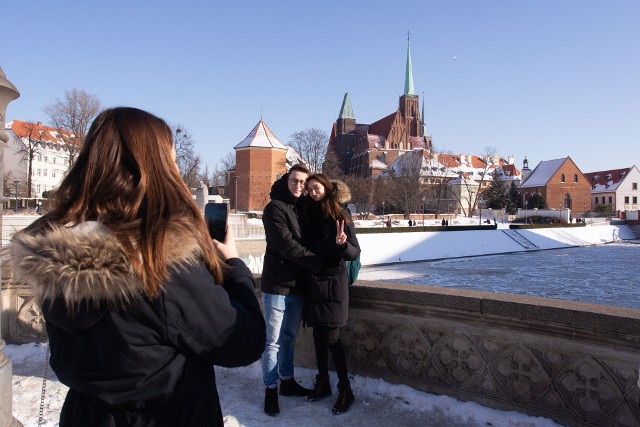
column 8, row 93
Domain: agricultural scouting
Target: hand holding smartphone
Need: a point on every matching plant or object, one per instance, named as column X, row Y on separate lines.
column 216, row 216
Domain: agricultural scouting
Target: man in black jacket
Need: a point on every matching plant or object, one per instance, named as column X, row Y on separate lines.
column 285, row 263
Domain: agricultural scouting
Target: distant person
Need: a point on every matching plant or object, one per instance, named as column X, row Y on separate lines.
column 410, row 222
column 139, row 301
column 389, row 223
column 286, row 262
column 444, row 222
column 329, row 232
column 38, row 208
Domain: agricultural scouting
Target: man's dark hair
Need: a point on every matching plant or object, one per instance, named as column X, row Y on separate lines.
column 300, row 168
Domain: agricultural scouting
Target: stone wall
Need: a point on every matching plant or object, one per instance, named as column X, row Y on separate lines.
column 572, row 362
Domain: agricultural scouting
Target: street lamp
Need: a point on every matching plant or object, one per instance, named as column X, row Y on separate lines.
column 423, row 200
column 525, row 211
column 16, row 183
column 480, row 208
column 383, row 211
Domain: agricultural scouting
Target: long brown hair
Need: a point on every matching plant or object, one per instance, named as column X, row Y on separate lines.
column 330, row 206
column 125, row 177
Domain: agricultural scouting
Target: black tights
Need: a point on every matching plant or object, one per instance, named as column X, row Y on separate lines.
column 325, row 339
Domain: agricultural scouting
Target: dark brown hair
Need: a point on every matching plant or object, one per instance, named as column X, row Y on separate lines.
column 300, row 168
column 331, row 208
column 125, row 177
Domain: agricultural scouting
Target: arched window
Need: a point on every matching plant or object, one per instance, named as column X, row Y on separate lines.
column 575, row 177
column 562, row 178
column 567, row 201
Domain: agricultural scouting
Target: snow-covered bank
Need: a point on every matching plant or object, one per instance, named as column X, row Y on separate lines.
column 241, row 392
column 386, row 248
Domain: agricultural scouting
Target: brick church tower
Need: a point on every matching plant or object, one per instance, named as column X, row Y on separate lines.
column 260, row 160
column 368, row 149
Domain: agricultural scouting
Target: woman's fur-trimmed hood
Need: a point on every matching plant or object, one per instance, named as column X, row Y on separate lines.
column 342, row 192
column 85, row 265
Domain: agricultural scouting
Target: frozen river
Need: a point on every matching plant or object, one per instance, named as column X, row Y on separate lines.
column 603, row 274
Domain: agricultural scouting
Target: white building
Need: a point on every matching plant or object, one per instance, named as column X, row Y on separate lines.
column 616, row 188
column 50, row 160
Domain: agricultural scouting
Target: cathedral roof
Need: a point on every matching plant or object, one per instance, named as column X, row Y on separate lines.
column 261, row 136
column 382, row 126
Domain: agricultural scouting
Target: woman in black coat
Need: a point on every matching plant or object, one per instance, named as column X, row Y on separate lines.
column 329, row 233
column 139, row 302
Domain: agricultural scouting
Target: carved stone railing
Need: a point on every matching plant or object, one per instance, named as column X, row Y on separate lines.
column 572, row 362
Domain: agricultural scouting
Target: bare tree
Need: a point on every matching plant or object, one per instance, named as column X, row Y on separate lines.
column 228, row 162
column 473, row 183
column 220, row 176
column 404, row 181
column 32, row 146
column 437, row 171
column 187, row 159
column 312, row 145
column 73, row 114
column 331, row 165
column 362, row 193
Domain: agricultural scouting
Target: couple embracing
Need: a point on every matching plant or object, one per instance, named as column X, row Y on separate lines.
column 309, row 235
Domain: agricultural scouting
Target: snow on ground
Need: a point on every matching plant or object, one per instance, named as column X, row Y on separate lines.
column 241, row 393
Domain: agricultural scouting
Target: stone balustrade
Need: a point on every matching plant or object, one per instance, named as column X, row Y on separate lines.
column 575, row 363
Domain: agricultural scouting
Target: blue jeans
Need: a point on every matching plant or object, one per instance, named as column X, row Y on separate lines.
column 282, row 315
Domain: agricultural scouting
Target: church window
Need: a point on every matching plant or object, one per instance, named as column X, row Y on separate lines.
column 575, row 177
column 562, row 178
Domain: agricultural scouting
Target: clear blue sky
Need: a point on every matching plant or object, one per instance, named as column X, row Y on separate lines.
column 544, row 78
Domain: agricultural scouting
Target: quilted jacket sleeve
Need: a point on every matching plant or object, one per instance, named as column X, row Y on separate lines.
column 221, row 324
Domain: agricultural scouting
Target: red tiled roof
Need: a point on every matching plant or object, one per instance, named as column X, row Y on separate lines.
column 510, row 170
column 382, row 126
column 40, row 132
column 611, row 177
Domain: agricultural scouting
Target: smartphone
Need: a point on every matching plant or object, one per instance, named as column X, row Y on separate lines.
column 216, row 216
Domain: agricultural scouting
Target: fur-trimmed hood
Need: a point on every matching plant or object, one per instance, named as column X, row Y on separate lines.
column 343, row 193
column 85, row 265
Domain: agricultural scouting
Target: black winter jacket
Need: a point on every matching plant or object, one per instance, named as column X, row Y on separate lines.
column 130, row 360
column 327, row 296
column 286, row 260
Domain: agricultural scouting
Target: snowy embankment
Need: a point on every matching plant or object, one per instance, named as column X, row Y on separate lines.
column 387, row 248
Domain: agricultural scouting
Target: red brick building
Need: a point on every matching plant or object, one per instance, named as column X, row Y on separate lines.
column 260, row 159
column 560, row 183
column 369, row 149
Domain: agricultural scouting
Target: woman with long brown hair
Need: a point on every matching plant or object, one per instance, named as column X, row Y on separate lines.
column 139, row 302
column 328, row 231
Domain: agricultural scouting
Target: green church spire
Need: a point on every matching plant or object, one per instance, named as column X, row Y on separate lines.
column 346, row 112
column 408, row 78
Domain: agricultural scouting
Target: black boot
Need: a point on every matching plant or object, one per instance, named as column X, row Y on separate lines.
column 291, row 388
column 271, row 402
column 321, row 389
column 345, row 398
